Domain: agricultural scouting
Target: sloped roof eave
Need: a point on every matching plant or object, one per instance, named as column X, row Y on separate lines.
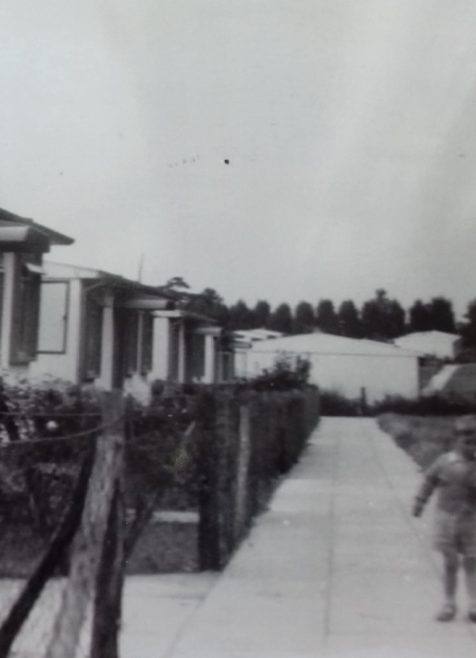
column 328, row 344
column 9, row 218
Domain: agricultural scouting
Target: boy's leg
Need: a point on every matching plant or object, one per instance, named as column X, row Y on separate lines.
column 450, row 581
column 469, row 566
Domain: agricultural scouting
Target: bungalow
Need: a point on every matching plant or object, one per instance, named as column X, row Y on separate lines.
column 352, row 367
column 438, row 344
column 101, row 328
column 22, row 245
column 243, row 339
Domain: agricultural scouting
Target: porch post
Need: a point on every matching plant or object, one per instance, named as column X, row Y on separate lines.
column 182, row 356
column 160, row 348
column 210, row 357
column 211, row 335
column 107, row 343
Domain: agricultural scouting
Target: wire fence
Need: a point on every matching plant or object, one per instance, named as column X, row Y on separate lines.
column 42, row 492
column 79, row 488
column 49, row 461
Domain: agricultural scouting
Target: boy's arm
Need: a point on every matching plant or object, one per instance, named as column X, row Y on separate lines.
column 427, row 487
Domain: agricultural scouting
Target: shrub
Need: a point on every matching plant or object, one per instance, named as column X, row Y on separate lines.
column 333, row 403
column 287, row 374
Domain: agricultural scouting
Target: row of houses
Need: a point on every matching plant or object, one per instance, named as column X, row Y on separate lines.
column 355, row 368
column 84, row 325
column 88, row 326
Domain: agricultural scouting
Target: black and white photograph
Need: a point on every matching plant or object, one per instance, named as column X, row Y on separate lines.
column 237, row 329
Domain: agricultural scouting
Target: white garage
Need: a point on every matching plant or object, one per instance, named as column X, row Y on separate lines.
column 349, row 366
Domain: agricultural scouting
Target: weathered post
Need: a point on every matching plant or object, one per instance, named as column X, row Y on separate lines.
column 107, row 611
column 208, row 502
column 242, row 473
column 88, row 545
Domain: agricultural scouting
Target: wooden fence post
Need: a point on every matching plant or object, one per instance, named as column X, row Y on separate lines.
column 242, row 473
column 208, row 502
column 89, row 541
column 107, row 612
column 60, row 541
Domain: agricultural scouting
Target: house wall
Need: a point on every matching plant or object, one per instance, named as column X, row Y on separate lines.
column 62, row 364
column 240, row 361
column 66, row 365
column 181, row 350
column 349, row 374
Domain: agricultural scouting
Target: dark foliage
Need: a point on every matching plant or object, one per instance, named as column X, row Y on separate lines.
column 432, row 405
column 272, row 428
column 284, row 376
column 281, row 319
column 326, row 317
column 304, row 319
column 349, row 320
column 335, row 404
column 382, row 318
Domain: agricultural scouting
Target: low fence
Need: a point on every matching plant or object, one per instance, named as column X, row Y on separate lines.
column 246, row 442
column 60, row 499
column 81, row 487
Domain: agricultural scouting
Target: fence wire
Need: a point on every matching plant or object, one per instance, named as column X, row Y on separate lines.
column 79, row 492
column 42, row 457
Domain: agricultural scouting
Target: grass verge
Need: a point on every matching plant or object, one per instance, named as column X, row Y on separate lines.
column 422, row 437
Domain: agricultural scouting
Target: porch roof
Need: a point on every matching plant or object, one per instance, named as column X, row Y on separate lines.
column 22, row 239
column 97, row 277
column 145, row 303
column 187, row 315
column 9, row 219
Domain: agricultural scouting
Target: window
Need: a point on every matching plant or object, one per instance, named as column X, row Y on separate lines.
column 53, row 316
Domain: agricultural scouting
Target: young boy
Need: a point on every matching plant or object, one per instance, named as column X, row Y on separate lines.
column 453, row 475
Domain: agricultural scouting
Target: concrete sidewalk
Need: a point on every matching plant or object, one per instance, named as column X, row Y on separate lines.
column 335, row 568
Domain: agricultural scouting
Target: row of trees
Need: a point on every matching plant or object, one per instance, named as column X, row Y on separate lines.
column 379, row 318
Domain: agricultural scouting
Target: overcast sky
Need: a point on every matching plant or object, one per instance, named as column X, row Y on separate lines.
column 349, row 126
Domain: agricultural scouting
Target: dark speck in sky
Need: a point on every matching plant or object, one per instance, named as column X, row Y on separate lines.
column 226, row 161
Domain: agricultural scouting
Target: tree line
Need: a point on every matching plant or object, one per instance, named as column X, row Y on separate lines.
column 378, row 318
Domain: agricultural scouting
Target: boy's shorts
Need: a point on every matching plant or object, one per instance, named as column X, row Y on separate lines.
column 453, row 533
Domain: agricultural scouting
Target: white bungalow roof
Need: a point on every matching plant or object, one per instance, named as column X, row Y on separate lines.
column 256, row 334
column 320, row 343
column 433, row 335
